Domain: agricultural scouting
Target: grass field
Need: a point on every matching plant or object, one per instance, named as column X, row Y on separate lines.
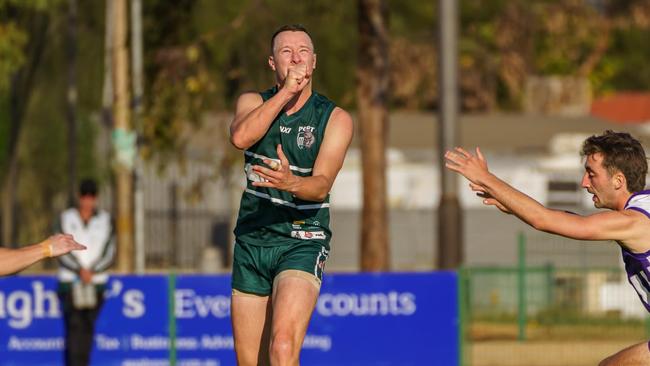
column 496, row 344
column 542, row 353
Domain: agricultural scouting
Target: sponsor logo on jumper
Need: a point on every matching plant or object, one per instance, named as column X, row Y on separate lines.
column 285, row 129
column 308, row 235
column 306, row 137
column 297, row 224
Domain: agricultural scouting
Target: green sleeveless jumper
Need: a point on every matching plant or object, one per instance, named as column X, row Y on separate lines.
column 270, row 217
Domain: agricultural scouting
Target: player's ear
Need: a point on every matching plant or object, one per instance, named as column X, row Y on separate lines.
column 619, row 181
column 314, row 65
column 271, row 63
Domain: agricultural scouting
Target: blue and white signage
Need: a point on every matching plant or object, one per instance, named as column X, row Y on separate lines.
column 360, row 319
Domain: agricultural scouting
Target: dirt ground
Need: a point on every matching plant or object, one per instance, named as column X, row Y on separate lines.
column 541, row 353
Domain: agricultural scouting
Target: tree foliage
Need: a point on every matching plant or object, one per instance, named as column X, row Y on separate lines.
column 41, row 146
column 213, row 51
column 201, row 54
column 503, row 42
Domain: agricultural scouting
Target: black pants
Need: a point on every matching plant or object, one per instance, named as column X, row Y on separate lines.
column 79, row 328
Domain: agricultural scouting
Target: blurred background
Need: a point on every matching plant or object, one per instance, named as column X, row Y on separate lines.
column 142, row 101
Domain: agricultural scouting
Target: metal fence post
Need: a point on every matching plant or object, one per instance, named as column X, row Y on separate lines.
column 550, row 285
column 172, row 318
column 521, row 287
column 174, row 217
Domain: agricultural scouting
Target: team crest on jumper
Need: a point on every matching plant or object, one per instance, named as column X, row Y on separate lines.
column 305, row 137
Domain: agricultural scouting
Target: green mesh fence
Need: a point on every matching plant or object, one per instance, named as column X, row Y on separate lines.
column 548, row 314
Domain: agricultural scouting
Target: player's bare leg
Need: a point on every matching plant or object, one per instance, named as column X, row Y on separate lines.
column 251, row 323
column 636, row 355
column 294, row 298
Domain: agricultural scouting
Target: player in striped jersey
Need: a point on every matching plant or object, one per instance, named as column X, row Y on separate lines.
column 615, row 173
column 294, row 141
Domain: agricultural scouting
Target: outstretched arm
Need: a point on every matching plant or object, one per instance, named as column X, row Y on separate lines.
column 14, row 260
column 611, row 225
column 488, row 200
column 331, row 155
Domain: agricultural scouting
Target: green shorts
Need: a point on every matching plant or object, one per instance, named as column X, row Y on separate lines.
column 255, row 267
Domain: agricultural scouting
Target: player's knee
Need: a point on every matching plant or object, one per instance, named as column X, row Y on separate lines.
column 283, row 347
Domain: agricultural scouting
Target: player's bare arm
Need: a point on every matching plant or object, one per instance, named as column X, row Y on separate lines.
column 253, row 116
column 336, row 141
column 488, row 200
column 627, row 227
column 14, row 260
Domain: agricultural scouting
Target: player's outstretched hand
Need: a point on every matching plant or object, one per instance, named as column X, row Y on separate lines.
column 488, row 200
column 278, row 176
column 473, row 167
column 62, row 243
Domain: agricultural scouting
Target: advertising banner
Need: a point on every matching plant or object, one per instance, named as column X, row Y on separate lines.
column 359, row 319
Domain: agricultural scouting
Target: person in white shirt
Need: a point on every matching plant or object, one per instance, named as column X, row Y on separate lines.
column 82, row 275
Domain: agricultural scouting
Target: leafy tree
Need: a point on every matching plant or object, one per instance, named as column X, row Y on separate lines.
column 34, row 145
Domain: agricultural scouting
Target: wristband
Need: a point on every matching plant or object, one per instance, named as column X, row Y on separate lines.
column 47, row 249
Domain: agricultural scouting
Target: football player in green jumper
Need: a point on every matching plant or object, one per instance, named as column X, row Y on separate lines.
column 294, row 142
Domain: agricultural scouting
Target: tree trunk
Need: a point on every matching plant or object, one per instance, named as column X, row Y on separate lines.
column 106, row 124
column 123, row 168
column 9, row 200
column 372, row 97
column 10, row 181
column 71, row 99
column 20, row 93
column 138, row 94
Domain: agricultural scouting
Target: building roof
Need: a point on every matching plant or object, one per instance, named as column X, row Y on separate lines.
column 623, row 107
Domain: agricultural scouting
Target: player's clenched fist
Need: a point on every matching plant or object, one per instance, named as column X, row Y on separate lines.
column 298, row 77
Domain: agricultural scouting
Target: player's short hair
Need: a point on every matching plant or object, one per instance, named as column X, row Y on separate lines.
column 621, row 152
column 288, row 28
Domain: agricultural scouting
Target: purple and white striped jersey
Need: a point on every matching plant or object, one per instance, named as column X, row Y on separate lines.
column 637, row 265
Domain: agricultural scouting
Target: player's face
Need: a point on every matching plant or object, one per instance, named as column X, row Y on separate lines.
column 291, row 48
column 599, row 182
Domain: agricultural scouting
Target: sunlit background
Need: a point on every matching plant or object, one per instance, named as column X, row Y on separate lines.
column 535, row 78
